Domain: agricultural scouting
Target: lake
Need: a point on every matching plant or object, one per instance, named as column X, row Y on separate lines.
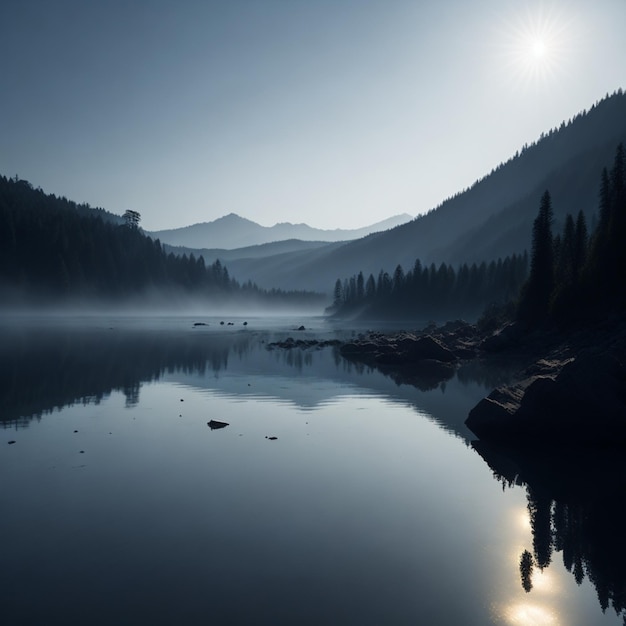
column 337, row 494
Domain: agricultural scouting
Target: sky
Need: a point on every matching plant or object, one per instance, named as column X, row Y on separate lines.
column 336, row 113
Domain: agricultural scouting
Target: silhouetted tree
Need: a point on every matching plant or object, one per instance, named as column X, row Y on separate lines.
column 360, row 286
column 132, row 218
column 338, row 293
column 537, row 292
column 52, row 249
column 425, row 292
column 526, row 570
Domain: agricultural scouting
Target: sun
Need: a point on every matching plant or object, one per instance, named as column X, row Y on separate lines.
column 535, row 50
column 533, row 46
column 538, row 49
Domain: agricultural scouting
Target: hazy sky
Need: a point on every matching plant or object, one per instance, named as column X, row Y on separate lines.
column 338, row 113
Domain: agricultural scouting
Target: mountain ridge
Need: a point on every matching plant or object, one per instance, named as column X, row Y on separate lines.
column 489, row 220
column 232, row 231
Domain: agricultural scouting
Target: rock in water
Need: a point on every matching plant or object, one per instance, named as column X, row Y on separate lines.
column 215, row 424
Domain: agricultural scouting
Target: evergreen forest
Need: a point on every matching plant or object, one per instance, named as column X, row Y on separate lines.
column 55, row 251
column 572, row 275
column 430, row 292
column 575, row 275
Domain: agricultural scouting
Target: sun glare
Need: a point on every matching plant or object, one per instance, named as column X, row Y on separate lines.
column 534, row 47
column 527, row 614
column 538, row 48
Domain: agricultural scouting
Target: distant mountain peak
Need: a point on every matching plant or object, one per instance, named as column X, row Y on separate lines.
column 232, row 231
column 233, row 217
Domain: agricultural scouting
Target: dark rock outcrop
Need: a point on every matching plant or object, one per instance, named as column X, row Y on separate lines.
column 577, row 395
column 400, row 349
column 290, row 343
column 422, row 359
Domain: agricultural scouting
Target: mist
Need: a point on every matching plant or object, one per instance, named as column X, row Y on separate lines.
column 155, row 303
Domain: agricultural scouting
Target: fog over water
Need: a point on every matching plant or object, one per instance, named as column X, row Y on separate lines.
column 155, row 305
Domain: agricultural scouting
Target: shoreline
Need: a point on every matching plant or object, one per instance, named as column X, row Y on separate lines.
column 568, row 389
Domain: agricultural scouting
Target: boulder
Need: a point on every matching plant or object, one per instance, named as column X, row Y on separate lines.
column 579, row 400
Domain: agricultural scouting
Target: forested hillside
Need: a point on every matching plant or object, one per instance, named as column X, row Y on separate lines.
column 574, row 274
column 493, row 219
column 286, row 246
column 53, row 250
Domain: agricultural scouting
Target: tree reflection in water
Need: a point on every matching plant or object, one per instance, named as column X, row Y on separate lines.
column 575, row 501
column 526, row 570
column 43, row 370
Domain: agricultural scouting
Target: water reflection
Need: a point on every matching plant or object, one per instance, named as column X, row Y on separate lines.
column 531, row 614
column 575, row 510
column 364, row 512
column 43, row 369
column 526, row 570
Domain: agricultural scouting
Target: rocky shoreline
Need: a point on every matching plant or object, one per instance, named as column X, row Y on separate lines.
column 569, row 389
column 573, row 393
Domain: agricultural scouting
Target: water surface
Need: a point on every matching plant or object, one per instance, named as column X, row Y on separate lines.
column 371, row 506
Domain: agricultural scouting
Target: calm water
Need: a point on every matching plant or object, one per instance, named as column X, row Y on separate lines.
column 121, row 506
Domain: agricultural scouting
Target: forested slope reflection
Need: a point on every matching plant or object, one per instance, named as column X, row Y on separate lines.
column 575, row 505
column 45, row 370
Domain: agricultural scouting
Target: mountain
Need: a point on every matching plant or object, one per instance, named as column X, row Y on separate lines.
column 55, row 252
column 232, row 231
column 49, row 245
column 253, row 252
column 491, row 219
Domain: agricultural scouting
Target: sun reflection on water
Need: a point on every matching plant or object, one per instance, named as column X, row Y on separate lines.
column 530, row 614
column 541, row 606
column 523, row 518
column 544, row 582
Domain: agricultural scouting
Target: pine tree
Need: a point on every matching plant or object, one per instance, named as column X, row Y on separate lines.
column 564, row 256
column 605, row 272
column 535, row 300
column 370, row 287
column 338, row 294
column 581, row 245
column 360, row 287
column 132, row 218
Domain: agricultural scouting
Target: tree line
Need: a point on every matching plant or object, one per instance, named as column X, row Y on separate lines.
column 571, row 275
column 575, row 275
column 52, row 249
column 426, row 292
